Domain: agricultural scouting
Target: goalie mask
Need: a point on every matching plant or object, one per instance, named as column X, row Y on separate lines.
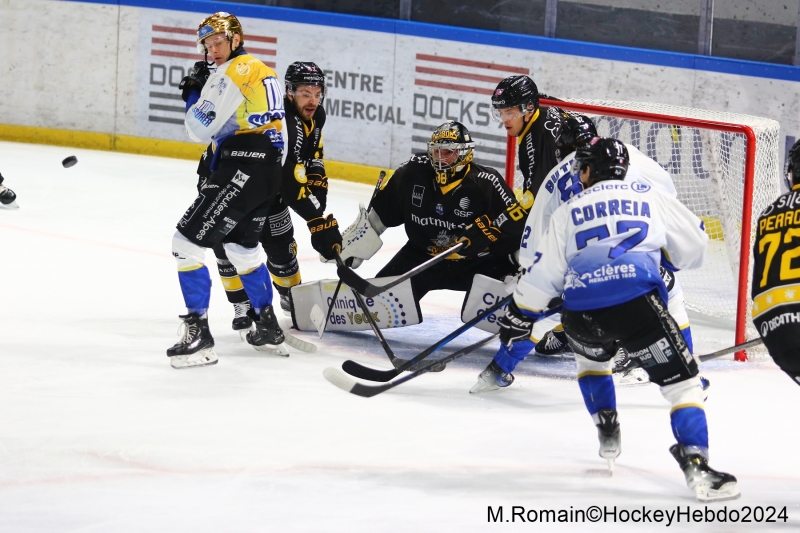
column 574, row 132
column 450, row 151
column 606, row 159
column 514, row 97
column 792, row 166
column 221, row 22
column 300, row 73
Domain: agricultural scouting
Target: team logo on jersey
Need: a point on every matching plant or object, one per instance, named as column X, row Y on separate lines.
column 416, row 195
column 243, row 69
column 239, row 179
column 439, row 209
column 464, row 203
column 639, row 187
column 572, row 280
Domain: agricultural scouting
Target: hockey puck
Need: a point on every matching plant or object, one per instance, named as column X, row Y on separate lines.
column 70, row 161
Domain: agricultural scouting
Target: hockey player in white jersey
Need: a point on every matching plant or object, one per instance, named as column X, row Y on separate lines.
column 560, row 185
column 602, row 252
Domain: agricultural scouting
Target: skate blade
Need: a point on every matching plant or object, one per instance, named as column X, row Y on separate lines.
column 299, row 344
column 610, row 466
column 482, row 387
column 273, row 349
column 243, row 334
column 204, row 357
column 727, row 492
column 12, row 205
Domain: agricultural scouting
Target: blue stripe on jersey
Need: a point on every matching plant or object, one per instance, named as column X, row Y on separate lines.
column 593, row 281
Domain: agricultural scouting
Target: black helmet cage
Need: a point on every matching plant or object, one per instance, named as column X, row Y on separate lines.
column 451, row 136
column 792, row 166
column 304, row 73
column 573, row 132
column 607, row 159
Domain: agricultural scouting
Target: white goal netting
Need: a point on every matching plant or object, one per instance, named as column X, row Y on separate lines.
column 707, row 159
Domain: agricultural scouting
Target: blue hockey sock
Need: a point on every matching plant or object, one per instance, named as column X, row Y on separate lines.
column 196, row 289
column 509, row 359
column 598, row 391
column 687, row 336
column 689, row 426
column 258, row 287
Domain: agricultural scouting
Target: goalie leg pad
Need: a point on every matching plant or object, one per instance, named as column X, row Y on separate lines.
column 392, row 309
column 484, row 293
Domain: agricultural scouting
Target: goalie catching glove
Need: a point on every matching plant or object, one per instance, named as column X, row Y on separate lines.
column 325, row 236
column 479, row 236
column 517, row 325
column 195, row 79
column 361, row 240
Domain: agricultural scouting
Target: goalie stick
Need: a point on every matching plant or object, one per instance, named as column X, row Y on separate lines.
column 731, row 349
column 362, row 286
column 389, row 353
column 347, row 384
column 316, row 311
column 372, row 374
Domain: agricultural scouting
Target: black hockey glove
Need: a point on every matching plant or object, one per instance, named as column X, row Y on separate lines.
column 517, row 325
column 479, row 236
column 194, row 80
column 325, row 236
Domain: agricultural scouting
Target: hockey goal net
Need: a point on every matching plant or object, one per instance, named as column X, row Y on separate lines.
column 726, row 170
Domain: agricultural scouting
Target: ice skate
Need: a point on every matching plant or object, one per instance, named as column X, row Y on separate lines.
column 196, row 347
column 241, row 321
column 8, row 198
column 286, row 305
column 609, row 435
column 627, row 372
column 707, row 484
column 554, row 344
column 492, row 378
column 706, row 384
column 266, row 335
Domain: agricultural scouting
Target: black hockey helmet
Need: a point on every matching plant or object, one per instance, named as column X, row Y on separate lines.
column 574, row 131
column 304, row 73
column 450, row 150
column 607, row 159
column 792, row 168
column 515, row 92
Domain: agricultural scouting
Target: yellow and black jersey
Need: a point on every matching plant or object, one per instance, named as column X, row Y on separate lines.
column 776, row 252
column 305, row 185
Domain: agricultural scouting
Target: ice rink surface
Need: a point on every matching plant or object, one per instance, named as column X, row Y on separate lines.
column 99, row 433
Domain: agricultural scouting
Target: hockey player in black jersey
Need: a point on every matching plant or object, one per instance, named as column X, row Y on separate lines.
column 7, row 196
column 304, row 188
column 443, row 198
column 515, row 103
column 776, row 273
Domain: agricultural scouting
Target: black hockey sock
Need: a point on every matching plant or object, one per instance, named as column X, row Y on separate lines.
column 234, row 289
column 284, row 276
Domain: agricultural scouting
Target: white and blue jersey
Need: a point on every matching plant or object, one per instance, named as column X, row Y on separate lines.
column 603, row 247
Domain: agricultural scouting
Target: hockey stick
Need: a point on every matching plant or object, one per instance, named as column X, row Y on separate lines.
column 731, row 349
column 368, row 316
column 316, row 311
column 347, row 384
column 360, row 285
column 371, row 374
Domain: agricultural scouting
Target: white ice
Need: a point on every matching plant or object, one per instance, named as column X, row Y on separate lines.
column 99, row 433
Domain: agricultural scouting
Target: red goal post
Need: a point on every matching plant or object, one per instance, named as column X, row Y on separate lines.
column 733, row 172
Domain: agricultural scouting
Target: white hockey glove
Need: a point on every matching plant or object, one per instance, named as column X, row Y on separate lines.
column 361, row 240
